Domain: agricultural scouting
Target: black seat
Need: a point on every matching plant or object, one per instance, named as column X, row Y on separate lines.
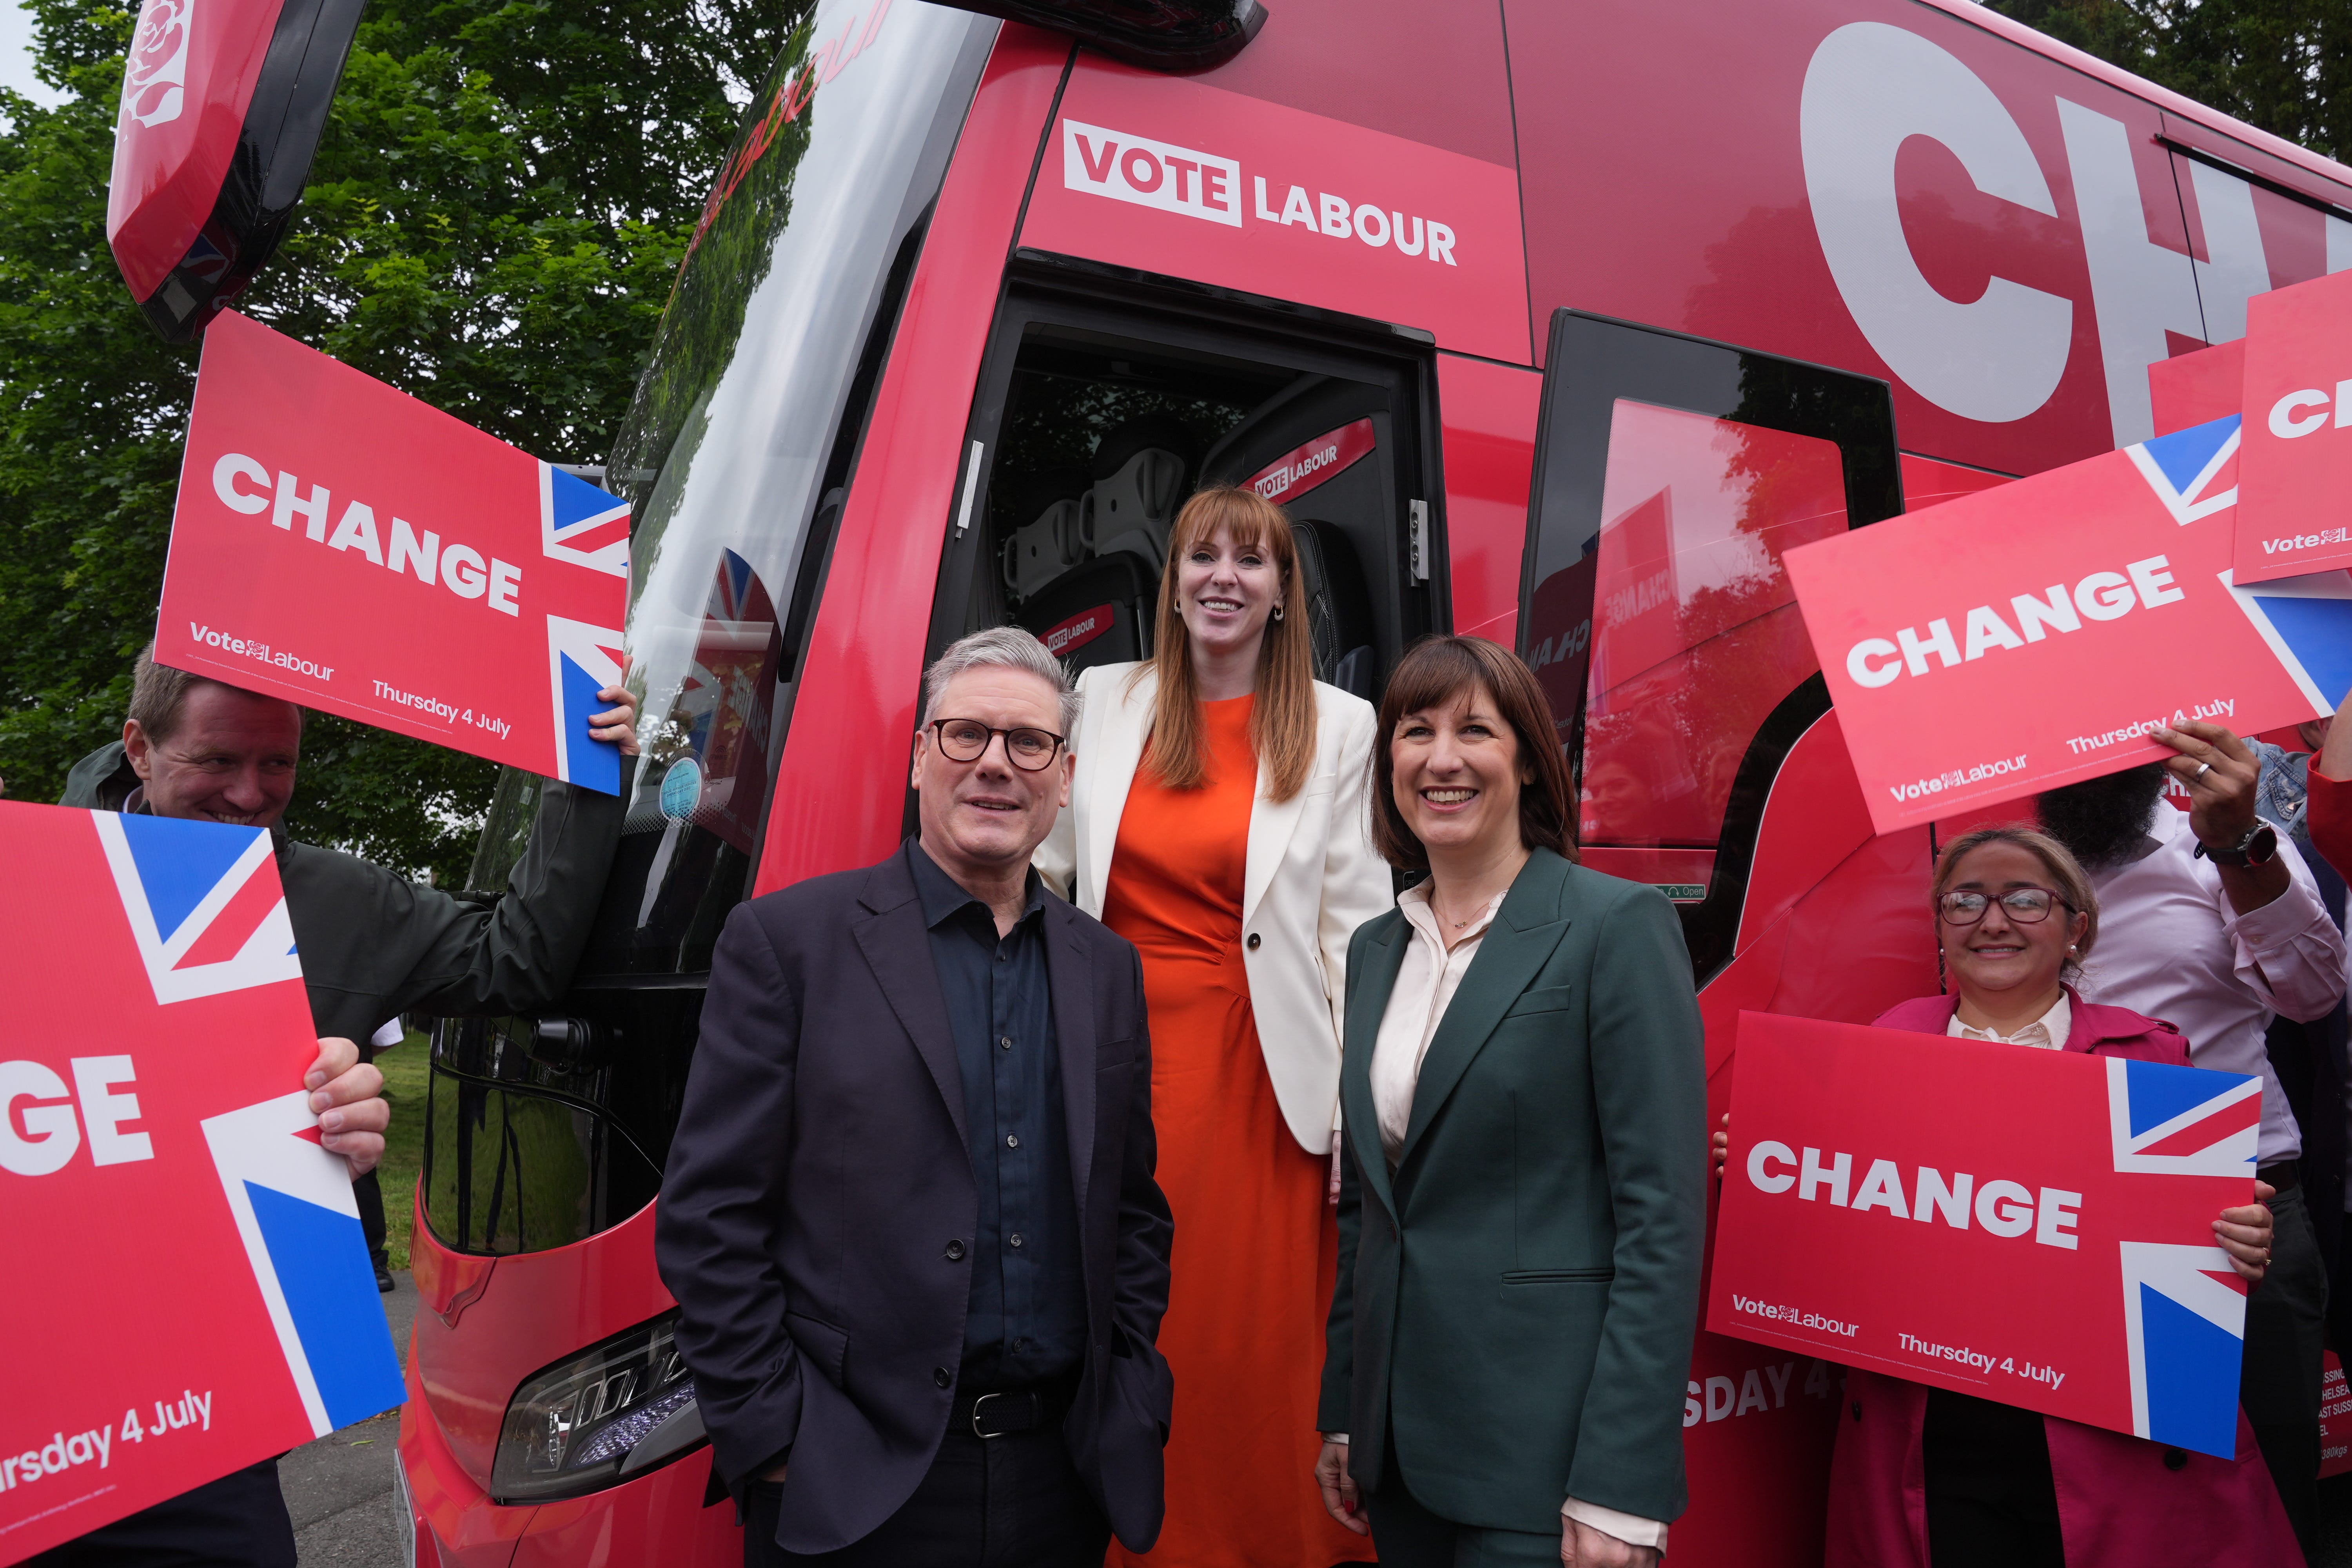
column 1098, row 613
column 1339, row 609
column 1313, row 450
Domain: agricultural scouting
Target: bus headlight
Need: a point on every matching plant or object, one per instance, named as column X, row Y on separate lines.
column 572, row 1428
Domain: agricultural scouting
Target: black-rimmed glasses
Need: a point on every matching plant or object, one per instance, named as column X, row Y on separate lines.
column 966, row 741
column 2024, row 906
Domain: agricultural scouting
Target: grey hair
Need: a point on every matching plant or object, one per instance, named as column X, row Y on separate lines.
column 1002, row 648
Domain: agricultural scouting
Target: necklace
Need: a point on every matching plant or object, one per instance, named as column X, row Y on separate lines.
column 1440, row 914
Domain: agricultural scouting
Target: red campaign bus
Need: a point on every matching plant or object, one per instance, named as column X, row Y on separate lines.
column 1558, row 323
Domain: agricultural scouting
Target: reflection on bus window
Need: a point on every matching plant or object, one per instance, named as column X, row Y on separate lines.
column 1693, row 635
column 736, row 433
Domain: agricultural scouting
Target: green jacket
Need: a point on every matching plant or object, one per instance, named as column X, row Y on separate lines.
column 374, row 944
column 1517, row 1299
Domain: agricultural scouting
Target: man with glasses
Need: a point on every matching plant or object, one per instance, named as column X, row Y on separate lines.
column 2211, row 921
column 909, row 1215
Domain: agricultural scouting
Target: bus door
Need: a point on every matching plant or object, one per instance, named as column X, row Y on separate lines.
column 1107, row 399
column 1671, row 476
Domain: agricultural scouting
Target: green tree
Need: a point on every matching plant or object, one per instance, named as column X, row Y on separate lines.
column 2282, row 65
column 497, row 208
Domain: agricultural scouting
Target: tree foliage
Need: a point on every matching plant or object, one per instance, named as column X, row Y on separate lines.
column 2282, row 65
column 499, row 206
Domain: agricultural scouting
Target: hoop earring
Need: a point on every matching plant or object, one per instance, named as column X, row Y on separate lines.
column 1277, row 612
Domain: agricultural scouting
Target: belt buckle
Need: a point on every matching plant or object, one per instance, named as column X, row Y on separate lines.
column 977, row 1406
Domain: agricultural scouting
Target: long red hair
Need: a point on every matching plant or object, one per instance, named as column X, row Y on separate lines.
column 1282, row 721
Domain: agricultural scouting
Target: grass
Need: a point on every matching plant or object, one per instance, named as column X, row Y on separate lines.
column 406, row 1067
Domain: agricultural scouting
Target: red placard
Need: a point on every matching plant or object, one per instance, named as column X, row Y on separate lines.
column 2198, row 388
column 156, row 1147
column 339, row 543
column 1171, row 175
column 2038, row 1225
column 2031, row 635
column 2295, row 474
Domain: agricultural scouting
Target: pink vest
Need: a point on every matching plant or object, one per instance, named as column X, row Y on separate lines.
column 2123, row 1502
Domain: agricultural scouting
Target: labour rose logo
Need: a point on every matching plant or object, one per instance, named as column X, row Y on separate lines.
column 156, row 76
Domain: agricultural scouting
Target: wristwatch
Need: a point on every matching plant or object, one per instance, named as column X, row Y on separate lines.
column 2257, row 848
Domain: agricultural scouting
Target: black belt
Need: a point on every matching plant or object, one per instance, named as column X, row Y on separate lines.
column 2281, row 1177
column 1004, row 1411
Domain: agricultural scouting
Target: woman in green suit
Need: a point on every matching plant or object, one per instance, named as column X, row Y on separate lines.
column 1522, row 1210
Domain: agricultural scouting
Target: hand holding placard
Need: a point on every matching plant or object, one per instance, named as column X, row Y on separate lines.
column 346, row 547
column 2035, row 634
column 2039, row 1224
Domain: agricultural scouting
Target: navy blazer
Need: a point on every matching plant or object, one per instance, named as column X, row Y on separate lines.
column 818, row 1207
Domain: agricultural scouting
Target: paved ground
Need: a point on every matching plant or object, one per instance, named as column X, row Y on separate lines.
column 339, row 1489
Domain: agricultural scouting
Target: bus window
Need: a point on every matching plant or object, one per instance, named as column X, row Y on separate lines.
column 1100, row 420
column 1672, row 476
column 733, row 457
column 1696, row 634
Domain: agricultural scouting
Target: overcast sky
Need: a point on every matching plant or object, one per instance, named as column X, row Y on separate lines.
column 15, row 53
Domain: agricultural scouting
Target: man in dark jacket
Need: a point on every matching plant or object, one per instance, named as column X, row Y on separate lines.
column 909, row 1215
column 374, row 945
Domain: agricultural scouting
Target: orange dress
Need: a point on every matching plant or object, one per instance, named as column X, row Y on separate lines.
column 1257, row 1245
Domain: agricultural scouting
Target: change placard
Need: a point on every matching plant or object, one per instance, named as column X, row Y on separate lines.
column 343, row 545
column 2032, row 635
column 2294, row 475
column 2030, row 1226
column 190, row 1290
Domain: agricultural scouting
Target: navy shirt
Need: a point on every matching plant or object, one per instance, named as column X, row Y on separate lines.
column 1027, row 1319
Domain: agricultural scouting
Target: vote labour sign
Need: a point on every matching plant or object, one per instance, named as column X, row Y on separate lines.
column 2295, row 474
column 2032, row 635
column 2037, row 1224
column 191, row 1293
column 344, row 546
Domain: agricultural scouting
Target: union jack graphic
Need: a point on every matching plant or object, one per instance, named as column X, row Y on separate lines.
column 2184, row 1306
column 294, row 1210
column 203, row 903
column 2194, row 472
column 581, row 524
column 582, row 660
column 2307, row 622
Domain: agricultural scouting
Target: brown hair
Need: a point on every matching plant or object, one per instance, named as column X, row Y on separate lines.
column 1438, row 671
column 2066, row 876
column 1282, row 721
column 158, row 695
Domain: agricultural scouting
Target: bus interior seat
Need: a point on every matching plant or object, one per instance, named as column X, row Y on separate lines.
column 1141, row 471
column 1098, row 613
column 1054, row 539
column 1338, row 610
column 1339, row 520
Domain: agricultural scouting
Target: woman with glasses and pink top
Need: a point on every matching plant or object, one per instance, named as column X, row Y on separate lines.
column 1931, row 1479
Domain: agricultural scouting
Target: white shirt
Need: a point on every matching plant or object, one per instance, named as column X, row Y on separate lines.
column 2047, row 1033
column 1425, row 983
column 2171, row 947
column 1427, row 980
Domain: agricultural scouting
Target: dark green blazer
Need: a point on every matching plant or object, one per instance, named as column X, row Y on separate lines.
column 1513, row 1321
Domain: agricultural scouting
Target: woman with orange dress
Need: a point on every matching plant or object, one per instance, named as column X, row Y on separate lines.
column 1218, row 821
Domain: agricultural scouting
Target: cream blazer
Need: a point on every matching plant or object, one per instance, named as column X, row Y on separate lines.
column 1310, row 878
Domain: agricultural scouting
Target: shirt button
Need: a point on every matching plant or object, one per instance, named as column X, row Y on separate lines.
column 1013, row 1140
column 1006, row 1042
column 955, row 1252
column 1021, row 1344
column 1254, row 942
column 1016, row 1238
column 941, row 1376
